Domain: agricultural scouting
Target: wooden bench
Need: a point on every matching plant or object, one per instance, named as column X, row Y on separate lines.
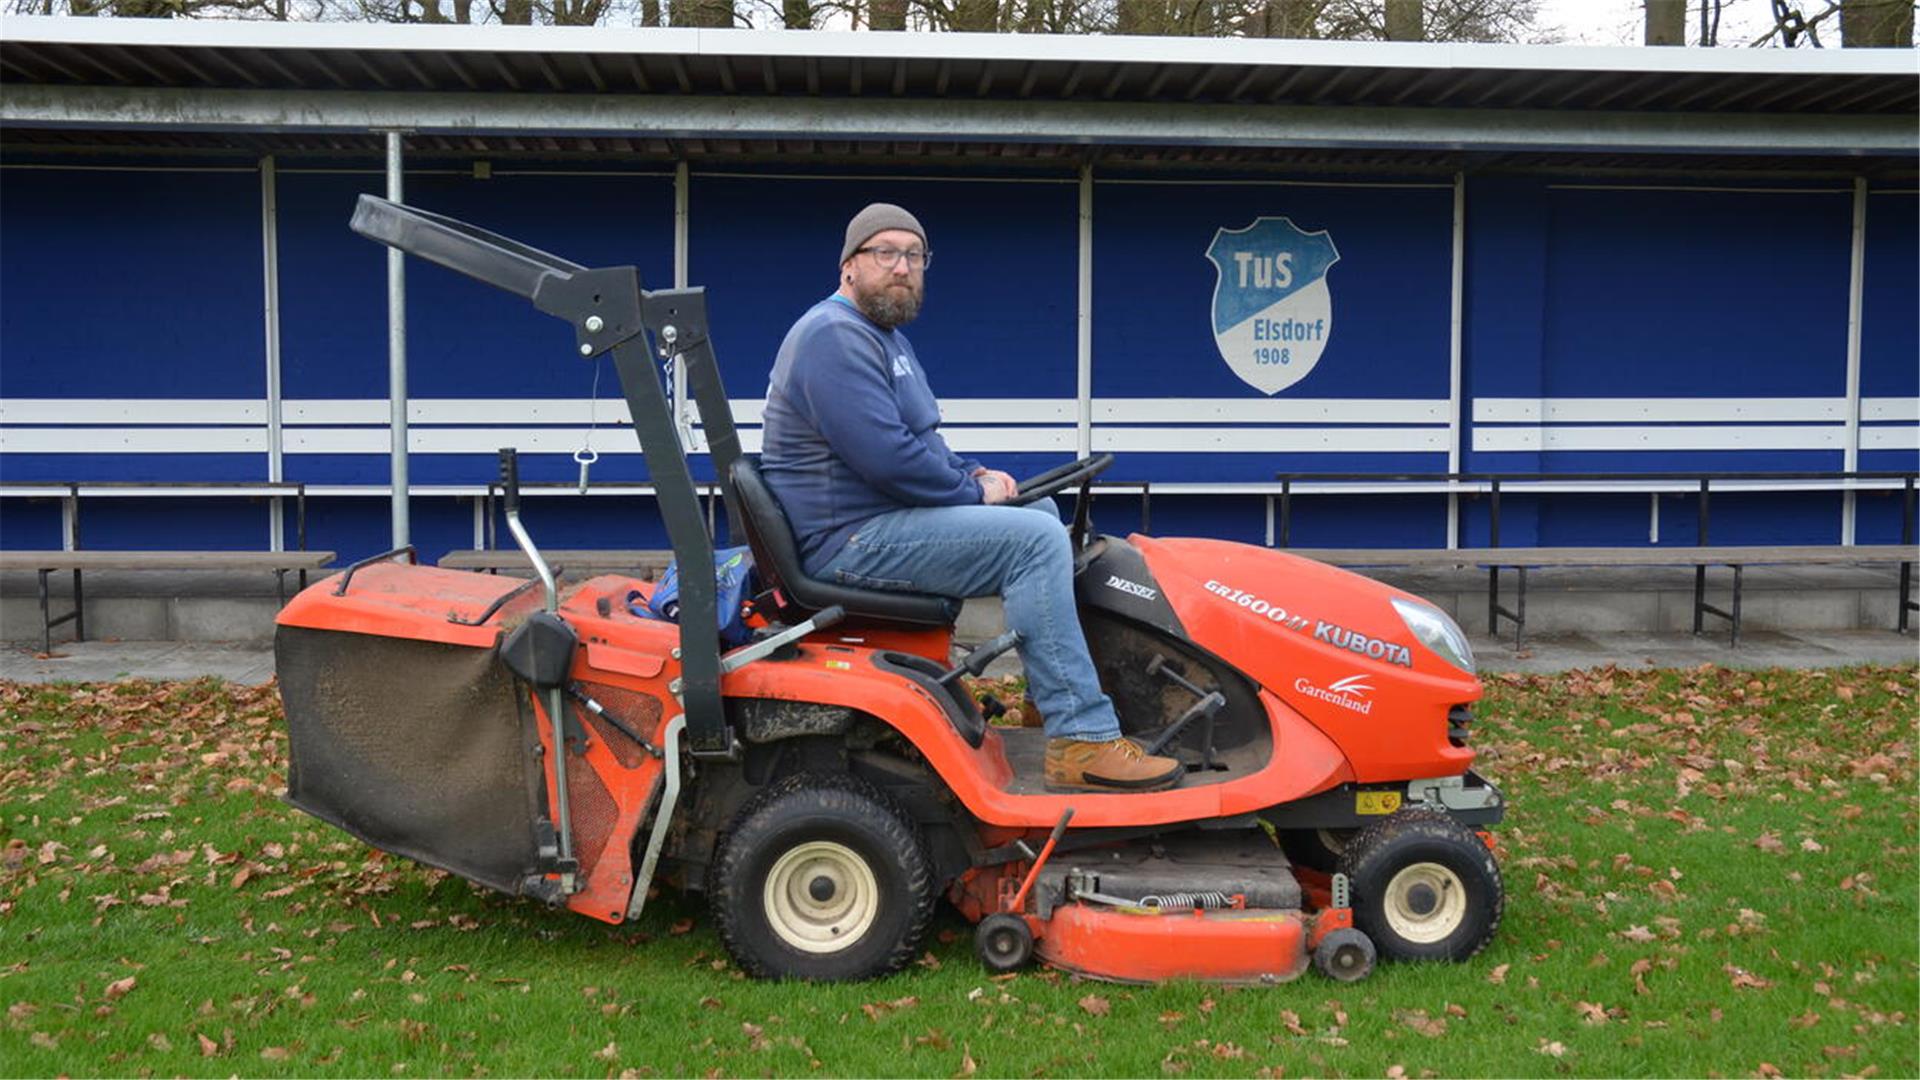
column 648, row 564
column 46, row 562
column 1735, row 557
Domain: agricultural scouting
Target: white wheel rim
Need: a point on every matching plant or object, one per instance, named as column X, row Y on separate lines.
column 1444, row 914
column 848, row 897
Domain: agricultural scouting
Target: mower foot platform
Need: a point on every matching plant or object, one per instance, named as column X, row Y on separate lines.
column 1026, row 750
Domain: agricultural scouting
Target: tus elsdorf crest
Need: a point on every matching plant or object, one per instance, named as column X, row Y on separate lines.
column 1272, row 311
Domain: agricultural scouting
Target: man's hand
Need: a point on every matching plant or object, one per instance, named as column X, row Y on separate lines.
column 995, row 486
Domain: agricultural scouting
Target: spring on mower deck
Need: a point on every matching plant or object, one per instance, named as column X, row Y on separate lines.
column 1178, row 900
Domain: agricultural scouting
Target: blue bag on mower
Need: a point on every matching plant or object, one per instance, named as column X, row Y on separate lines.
column 733, row 583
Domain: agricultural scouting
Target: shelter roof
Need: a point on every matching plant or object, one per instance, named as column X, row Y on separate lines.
column 170, row 84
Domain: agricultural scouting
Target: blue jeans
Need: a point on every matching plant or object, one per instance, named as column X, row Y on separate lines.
column 1020, row 553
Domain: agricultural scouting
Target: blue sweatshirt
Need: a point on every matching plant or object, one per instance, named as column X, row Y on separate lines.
column 851, row 431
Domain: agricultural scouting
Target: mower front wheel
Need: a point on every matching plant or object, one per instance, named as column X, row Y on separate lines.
column 821, row 877
column 1424, row 886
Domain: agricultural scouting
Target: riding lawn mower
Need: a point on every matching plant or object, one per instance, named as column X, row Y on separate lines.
column 828, row 782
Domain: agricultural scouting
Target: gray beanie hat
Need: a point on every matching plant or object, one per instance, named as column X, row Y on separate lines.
column 878, row 218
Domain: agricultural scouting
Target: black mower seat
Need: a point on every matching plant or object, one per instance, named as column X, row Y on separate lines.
column 777, row 559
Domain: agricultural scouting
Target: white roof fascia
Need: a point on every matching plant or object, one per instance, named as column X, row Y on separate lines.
column 1070, row 122
column 858, row 45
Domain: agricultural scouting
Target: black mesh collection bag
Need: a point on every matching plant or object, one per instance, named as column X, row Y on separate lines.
column 419, row 748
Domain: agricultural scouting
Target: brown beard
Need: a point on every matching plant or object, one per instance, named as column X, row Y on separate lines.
column 889, row 307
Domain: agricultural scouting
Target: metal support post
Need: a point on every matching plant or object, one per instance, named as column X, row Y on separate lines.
column 1083, row 321
column 1856, row 286
column 270, row 303
column 397, row 353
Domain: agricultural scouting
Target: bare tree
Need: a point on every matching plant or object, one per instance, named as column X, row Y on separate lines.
column 1403, row 21
column 1876, row 24
column 697, row 12
column 1666, row 22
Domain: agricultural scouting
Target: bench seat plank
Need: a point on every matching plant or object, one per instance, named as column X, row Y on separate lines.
column 1718, row 555
column 164, row 560
column 576, row 558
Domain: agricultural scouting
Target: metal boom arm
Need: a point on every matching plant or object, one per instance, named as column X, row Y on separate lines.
column 609, row 310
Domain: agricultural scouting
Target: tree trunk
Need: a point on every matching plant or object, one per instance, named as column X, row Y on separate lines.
column 1404, row 22
column 711, row 13
column 1666, row 22
column 650, row 13
column 887, row 15
column 1876, row 24
column 797, row 14
column 516, row 13
column 1139, row 17
column 578, row 12
column 980, row 15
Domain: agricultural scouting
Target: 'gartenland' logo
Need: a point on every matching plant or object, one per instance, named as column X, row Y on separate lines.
column 1272, row 312
column 1348, row 693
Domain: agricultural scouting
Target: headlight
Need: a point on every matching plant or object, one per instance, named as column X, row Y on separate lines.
column 1434, row 629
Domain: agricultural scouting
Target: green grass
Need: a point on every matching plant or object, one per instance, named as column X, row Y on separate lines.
column 1709, row 872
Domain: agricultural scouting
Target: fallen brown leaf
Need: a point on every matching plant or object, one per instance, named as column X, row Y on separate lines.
column 1095, row 1005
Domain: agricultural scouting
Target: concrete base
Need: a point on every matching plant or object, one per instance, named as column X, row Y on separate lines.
column 190, row 606
column 101, row 661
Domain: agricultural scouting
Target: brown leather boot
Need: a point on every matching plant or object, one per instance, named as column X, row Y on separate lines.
column 1119, row 765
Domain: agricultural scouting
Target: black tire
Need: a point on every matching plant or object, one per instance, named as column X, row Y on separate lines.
column 1316, row 849
column 1346, row 955
column 1004, row 942
column 1424, row 886
column 811, row 858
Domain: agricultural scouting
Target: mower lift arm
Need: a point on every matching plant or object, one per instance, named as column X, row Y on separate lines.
column 608, row 310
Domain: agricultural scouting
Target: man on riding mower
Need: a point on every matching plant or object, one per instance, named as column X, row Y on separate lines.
column 852, row 447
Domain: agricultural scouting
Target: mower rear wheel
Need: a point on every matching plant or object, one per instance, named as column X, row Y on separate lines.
column 821, row 877
column 1424, row 886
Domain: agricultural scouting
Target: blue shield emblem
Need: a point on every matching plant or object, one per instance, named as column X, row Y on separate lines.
column 1272, row 312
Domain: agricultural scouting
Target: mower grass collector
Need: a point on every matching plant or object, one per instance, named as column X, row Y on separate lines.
column 828, row 783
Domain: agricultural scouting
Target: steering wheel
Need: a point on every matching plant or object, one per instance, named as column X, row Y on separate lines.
column 1059, row 479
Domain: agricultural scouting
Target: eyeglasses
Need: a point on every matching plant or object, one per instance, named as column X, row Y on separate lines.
column 889, row 257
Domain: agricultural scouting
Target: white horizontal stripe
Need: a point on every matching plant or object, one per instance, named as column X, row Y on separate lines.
column 132, row 411
column 1626, row 410
column 1890, row 408
column 1753, row 437
column 1890, row 438
column 485, row 440
column 97, row 440
column 608, row 410
column 954, row 410
column 1270, row 440
column 1270, row 411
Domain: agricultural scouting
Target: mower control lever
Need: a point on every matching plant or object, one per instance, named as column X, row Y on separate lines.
column 977, row 660
column 747, row 654
column 510, row 478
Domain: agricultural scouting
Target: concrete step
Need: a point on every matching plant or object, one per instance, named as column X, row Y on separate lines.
column 219, row 606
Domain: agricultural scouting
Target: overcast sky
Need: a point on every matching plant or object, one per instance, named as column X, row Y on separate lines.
column 1622, row 22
